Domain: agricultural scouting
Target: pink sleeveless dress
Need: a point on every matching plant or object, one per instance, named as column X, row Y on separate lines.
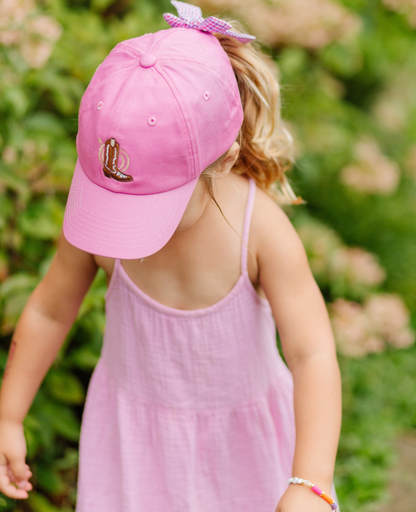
column 187, row 411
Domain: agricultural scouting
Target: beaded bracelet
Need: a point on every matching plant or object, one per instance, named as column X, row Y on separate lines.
column 316, row 490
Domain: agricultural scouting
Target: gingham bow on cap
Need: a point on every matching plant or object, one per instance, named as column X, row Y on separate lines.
column 190, row 16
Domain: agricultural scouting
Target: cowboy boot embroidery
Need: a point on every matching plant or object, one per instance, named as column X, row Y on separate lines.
column 110, row 163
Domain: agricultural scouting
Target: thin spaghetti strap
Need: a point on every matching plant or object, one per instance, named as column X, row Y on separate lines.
column 246, row 227
column 117, row 264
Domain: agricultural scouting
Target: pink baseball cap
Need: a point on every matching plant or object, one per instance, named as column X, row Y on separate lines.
column 159, row 110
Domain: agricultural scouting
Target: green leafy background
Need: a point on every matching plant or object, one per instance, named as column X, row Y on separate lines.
column 333, row 96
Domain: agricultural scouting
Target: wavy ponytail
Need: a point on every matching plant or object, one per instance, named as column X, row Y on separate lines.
column 266, row 146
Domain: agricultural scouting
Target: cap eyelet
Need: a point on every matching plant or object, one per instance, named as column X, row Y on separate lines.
column 151, row 121
column 206, row 95
column 100, row 105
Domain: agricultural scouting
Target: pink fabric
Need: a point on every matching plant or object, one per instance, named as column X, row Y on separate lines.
column 93, row 220
column 187, row 411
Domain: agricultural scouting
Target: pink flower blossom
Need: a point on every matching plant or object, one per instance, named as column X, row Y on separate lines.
column 363, row 328
column 33, row 34
column 9, row 155
column 350, row 326
column 392, row 105
column 358, row 266
column 390, row 315
column 343, row 268
column 372, row 172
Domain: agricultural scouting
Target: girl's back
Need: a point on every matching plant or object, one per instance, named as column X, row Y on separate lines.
column 200, row 265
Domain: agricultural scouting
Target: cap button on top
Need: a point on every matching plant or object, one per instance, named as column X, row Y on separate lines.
column 147, row 60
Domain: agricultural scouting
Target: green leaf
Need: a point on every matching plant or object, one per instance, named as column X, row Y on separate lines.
column 85, row 358
column 3, row 358
column 17, row 99
column 60, row 419
column 15, row 292
column 7, row 504
column 33, row 434
column 49, row 479
column 43, row 220
column 10, row 179
column 45, row 123
column 69, row 460
column 64, row 386
column 39, row 503
column 17, row 283
column 101, row 5
column 343, row 59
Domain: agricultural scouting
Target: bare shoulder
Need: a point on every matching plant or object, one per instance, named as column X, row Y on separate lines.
column 266, row 208
column 271, row 230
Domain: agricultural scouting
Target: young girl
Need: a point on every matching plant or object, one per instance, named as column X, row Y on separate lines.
column 190, row 407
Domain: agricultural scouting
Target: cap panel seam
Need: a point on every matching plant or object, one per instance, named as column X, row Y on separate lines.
column 89, row 90
column 201, row 64
column 127, row 91
column 233, row 87
column 152, row 49
column 187, row 121
column 132, row 51
column 170, row 32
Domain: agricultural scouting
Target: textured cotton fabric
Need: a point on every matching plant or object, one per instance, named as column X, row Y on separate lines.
column 187, row 411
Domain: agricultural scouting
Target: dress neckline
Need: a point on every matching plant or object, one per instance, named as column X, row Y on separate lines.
column 241, row 281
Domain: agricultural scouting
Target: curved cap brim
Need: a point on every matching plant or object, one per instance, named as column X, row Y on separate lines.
column 119, row 225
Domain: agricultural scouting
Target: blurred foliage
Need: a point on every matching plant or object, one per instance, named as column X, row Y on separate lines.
column 351, row 107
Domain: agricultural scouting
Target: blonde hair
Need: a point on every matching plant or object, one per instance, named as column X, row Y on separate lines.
column 266, row 152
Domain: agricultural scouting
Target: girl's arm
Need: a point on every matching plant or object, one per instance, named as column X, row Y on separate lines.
column 308, row 346
column 40, row 333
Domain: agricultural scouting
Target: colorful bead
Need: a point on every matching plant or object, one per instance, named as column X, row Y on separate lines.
column 327, row 497
column 317, row 490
